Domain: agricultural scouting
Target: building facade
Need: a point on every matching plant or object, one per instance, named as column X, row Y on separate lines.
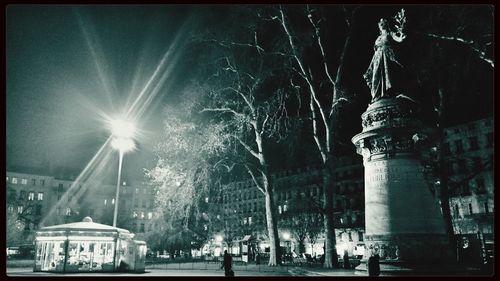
column 238, row 212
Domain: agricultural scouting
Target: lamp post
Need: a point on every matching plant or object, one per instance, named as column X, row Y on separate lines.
column 123, row 133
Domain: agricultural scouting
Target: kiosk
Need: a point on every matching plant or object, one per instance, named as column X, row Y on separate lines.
column 87, row 247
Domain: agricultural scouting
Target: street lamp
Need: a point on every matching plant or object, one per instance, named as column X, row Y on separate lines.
column 123, row 133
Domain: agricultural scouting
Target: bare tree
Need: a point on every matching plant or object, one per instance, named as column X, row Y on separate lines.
column 323, row 110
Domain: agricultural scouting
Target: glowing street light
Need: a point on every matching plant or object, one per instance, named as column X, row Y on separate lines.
column 122, row 133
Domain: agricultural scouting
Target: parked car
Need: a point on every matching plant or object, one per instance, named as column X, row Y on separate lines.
column 166, row 256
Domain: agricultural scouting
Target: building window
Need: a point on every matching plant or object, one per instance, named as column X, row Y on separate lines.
column 360, row 236
column 42, row 182
column 142, row 227
column 59, row 197
column 480, row 186
column 144, row 203
column 279, row 209
column 19, row 209
column 245, row 221
column 134, row 214
column 473, row 143
column 10, row 208
column 38, row 210
column 459, row 149
column 456, row 211
column 61, row 186
column 142, row 215
column 486, row 209
column 150, row 215
column 24, row 181
column 461, row 166
column 105, row 202
column 137, row 191
column 7, row 179
column 31, row 196
column 285, row 208
column 136, row 204
column 68, row 211
column 249, row 220
column 40, row 196
column 350, row 236
column 33, row 181
column 14, row 180
column 470, row 209
column 113, row 201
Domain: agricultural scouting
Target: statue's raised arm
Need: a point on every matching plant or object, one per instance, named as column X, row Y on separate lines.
column 383, row 76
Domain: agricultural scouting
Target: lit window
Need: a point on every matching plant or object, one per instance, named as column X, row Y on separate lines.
column 245, row 221
column 285, row 208
column 14, row 180
column 206, row 199
column 40, row 196
column 11, row 208
column 218, row 217
column 205, row 227
column 279, row 209
column 68, row 211
column 19, row 209
column 134, row 215
column 31, row 196
column 113, row 201
column 249, row 220
column 142, row 215
column 7, row 178
column 24, row 181
column 105, row 202
column 150, row 215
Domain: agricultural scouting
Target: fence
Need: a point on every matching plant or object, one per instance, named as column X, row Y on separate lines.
column 215, row 265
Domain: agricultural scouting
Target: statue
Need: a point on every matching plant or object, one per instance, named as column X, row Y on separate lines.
column 384, row 75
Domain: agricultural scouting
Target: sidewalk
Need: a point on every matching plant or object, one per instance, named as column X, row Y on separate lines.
column 299, row 271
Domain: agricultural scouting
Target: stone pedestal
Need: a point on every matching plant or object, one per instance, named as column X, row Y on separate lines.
column 402, row 216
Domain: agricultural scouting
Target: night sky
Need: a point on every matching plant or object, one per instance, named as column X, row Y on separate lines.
column 68, row 64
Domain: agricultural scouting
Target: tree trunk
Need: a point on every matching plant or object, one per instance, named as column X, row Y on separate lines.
column 272, row 228
column 268, row 186
column 444, row 196
column 331, row 259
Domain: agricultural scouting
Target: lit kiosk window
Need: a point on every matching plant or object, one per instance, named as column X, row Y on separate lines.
column 88, row 247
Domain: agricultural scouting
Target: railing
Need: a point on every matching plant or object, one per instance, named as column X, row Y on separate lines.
column 216, row 263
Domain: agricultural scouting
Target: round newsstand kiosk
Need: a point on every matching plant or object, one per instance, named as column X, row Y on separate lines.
column 88, row 247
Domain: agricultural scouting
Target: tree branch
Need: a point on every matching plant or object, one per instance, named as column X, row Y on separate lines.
column 257, row 184
column 469, row 43
column 248, row 148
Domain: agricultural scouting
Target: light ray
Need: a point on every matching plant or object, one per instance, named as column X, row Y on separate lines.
column 95, row 56
column 81, row 178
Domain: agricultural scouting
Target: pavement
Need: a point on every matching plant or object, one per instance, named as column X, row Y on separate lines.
column 180, row 271
column 24, row 271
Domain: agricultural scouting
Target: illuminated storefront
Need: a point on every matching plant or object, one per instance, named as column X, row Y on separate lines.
column 87, row 247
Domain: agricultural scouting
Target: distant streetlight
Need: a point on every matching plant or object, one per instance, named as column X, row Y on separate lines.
column 122, row 133
column 286, row 236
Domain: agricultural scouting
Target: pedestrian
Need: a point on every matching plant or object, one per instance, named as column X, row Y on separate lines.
column 374, row 265
column 227, row 264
